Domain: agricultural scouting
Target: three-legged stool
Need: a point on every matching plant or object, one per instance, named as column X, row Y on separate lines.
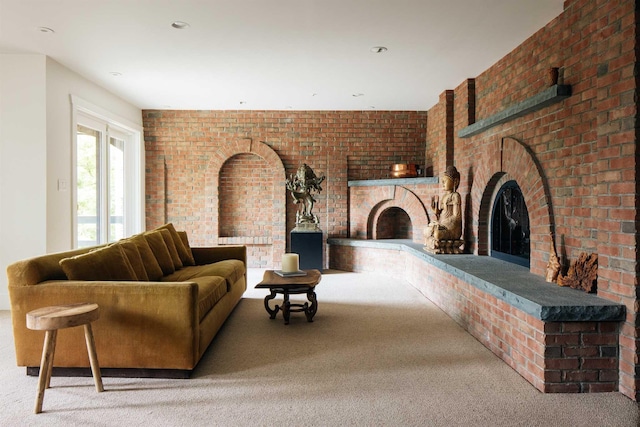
column 50, row 319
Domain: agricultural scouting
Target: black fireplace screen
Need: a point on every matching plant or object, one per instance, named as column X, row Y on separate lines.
column 510, row 226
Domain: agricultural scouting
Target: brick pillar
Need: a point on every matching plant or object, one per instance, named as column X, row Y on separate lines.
column 439, row 148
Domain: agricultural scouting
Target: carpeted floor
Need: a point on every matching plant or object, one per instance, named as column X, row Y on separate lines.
column 377, row 354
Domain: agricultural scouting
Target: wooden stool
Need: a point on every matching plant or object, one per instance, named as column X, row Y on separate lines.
column 50, row 319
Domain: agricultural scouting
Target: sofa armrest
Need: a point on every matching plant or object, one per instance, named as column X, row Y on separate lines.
column 209, row 255
column 160, row 319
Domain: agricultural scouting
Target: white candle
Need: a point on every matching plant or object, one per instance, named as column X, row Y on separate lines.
column 290, row 263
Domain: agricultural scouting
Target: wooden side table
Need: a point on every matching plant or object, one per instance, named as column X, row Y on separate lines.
column 288, row 286
column 50, row 319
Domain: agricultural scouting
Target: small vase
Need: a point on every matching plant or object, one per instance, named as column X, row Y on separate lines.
column 554, row 73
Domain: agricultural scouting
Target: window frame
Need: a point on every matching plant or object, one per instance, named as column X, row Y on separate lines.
column 86, row 114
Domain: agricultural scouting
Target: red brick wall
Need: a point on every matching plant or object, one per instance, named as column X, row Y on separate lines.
column 184, row 147
column 575, row 160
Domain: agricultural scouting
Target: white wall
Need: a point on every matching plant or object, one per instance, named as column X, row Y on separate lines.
column 35, row 153
column 23, row 161
column 61, row 83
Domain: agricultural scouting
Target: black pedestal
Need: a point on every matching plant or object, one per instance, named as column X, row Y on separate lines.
column 308, row 245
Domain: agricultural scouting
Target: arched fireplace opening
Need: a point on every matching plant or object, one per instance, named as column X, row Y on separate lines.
column 394, row 223
column 510, row 232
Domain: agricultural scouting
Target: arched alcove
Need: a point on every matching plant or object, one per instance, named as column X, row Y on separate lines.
column 245, row 208
column 250, row 177
column 403, row 200
column 394, row 223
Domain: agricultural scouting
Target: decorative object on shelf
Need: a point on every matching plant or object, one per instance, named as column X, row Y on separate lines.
column 404, row 170
column 442, row 236
column 290, row 263
column 554, row 73
column 302, row 186
column 553, row 266
column 582, row 274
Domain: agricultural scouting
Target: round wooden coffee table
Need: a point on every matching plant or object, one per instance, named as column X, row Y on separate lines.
column 50, row 319
column 288, row 286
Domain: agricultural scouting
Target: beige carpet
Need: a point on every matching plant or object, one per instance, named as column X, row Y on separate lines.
column 377, row 354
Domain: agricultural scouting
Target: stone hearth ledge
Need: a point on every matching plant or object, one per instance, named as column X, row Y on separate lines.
column 511, row 283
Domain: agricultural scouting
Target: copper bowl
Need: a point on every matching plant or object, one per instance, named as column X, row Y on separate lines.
column 404, row 170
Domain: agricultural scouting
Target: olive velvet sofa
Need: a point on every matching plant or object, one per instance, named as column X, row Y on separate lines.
column 161, row 303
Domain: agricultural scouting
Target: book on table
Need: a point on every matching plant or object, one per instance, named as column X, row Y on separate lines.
column 290, row 273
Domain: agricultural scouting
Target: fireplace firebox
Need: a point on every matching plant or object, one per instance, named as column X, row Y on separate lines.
column 510, row 233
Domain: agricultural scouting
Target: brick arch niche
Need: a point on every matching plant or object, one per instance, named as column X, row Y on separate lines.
column 517, row 163
column 246, row 197
column 395, row 198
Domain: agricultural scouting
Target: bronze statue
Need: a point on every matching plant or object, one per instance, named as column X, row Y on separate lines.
column 442, row 235
column 301, row 186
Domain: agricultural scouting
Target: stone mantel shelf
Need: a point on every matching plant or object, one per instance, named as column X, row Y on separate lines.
column 551, row 95
column 393, row 181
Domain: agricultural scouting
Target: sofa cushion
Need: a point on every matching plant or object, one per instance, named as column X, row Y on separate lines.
column 107, row 263
column 231, row 269
column 133, row 255
column 168, row 240
column 184, row 250
column 160, row 251
column 151, row 266
column 211, row 289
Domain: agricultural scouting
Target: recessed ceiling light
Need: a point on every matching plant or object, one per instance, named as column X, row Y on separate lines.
column 45, row 30
column 180, row 25
column 378, row 49
column 115, row 73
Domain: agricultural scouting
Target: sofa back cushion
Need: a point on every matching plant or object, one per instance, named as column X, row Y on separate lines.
column 151, row 266
column 107, row 263
column 184, row 250
column 171, row 246
column 160, row 251
column 135, row 259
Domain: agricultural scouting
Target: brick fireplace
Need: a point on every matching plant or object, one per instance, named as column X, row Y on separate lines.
column 373, row 202
column 575, row 349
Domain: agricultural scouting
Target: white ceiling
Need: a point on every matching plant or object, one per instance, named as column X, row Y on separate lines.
column 274, row 54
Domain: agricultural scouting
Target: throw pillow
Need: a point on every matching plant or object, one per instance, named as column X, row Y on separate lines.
column 133, row 255
column 151, row 266
column 183, row 250
column 168, row 240
column 108, row 263
column 185, row 242
column 160, row 251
